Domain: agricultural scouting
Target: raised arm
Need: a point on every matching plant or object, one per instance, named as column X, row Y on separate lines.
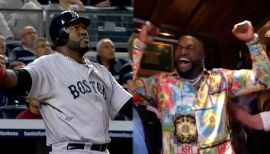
column 246, row 81
column 148, row 31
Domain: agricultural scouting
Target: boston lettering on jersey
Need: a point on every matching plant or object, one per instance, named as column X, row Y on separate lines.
column 83, row 87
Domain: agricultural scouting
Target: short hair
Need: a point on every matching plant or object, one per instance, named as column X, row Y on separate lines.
column 40, row 39
column 193, row 34
column 102, row 41
column 13, row 64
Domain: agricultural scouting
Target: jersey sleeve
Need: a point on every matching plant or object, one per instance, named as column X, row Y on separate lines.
column 42, row 81
column 118, row 98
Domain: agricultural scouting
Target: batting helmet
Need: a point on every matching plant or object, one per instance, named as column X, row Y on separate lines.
column 59, row 36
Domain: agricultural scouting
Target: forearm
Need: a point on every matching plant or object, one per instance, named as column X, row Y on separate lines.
column 8, row 79
column 253, row 122
column 244, row 117
column 79, row 3
column 137, row 54
column 260, row 64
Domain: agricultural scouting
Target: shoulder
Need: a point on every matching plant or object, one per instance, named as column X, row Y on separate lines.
column 97, row 65
column 47, row 59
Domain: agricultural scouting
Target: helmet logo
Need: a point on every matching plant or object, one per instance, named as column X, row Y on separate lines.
column 73, row 14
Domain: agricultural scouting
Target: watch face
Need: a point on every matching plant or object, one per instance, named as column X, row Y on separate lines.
column 185, row 129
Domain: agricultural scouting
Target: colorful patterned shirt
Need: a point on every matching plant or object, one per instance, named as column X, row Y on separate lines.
column 195, row 120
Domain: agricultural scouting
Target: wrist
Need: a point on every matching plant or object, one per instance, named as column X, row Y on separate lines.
column 254, row 41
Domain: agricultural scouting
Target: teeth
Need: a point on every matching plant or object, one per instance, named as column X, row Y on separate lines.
column 183, row 60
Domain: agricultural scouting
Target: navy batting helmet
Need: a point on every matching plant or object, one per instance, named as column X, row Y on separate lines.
column 59, row 36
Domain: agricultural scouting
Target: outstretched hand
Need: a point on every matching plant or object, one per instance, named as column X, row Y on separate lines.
column 244, row 31
column 148, row 31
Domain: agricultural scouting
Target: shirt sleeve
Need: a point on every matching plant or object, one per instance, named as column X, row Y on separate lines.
column 42, row 81
column 146, row 88
column 119, row 97
column 247, row 81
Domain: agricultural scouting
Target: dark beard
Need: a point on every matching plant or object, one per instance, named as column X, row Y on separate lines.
column 75, row 46
column 82, row 51
column 189, row 74
column 186, row 74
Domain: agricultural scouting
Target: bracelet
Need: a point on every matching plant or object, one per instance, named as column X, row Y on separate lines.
column 139, row 45
column 255, row 40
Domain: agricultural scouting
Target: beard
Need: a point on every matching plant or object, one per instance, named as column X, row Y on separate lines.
column 189, row 71
column 77, row 47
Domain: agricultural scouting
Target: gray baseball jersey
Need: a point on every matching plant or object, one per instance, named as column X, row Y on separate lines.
column 79, row 99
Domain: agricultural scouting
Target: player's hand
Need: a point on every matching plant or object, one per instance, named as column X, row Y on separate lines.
column 148, row 31
column 244, row 31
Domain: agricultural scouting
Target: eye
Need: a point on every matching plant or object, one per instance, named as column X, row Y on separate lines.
column 189, row 47
column 74, row 28
column 178, row 48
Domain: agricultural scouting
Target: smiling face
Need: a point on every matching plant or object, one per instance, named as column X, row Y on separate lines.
column 78, row 38
column 188, row 57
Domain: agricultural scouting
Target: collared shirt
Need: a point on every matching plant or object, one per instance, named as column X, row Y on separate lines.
column 195, row 120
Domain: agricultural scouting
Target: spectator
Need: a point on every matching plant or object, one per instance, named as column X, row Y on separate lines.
column 17, row 21
column 16, row 65
column 4, row 28
column 24, row 52
column 6, row 100
column 75, row 5
column 2, row 45
column 42, row 47
column 119, row 67
column 99, row 3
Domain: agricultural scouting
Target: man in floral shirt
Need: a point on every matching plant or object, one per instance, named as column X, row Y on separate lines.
column 192, row 100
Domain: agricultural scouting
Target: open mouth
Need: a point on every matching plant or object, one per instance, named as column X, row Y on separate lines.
column 184, row 64
column 183, row 61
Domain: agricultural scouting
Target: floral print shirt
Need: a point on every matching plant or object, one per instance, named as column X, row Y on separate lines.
column 195, row 120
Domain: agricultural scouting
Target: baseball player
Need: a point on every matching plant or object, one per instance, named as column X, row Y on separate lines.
column 78, row 96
